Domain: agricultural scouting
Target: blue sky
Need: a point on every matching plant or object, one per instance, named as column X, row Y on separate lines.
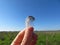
column 14, row 12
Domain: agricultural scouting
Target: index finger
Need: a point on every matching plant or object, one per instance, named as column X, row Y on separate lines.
column 27, row 36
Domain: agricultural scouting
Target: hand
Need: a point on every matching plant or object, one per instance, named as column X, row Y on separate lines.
column 25, row 37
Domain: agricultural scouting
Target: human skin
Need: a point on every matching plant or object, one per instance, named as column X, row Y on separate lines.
column 25, row 37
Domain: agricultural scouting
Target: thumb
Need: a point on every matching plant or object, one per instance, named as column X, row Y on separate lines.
column 27, row 36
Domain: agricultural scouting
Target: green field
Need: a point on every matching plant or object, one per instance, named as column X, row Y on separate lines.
column 44, row 38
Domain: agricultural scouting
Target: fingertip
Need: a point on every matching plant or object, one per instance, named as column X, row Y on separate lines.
column 31, row 28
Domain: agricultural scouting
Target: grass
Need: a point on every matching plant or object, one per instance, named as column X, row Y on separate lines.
column 44, row 38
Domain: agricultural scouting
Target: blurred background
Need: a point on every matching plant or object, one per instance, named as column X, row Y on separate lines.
column 13, row 14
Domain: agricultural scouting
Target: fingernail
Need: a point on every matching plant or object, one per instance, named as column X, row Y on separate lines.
column 31, row 28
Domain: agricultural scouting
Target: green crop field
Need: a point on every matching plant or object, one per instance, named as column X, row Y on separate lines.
column 44, row 38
